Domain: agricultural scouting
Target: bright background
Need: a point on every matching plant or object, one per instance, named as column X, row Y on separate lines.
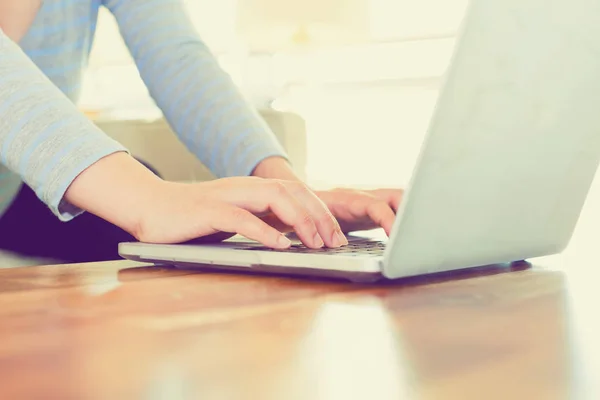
column 365, row 84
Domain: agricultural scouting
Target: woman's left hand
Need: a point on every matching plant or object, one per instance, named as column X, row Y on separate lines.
column 356, row 210
column 359, row 210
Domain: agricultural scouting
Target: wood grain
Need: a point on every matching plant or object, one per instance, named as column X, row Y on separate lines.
column 130, row 331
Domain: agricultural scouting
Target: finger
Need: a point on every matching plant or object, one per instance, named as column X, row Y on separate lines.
column 382, row 214
column 261, row 196
column 293, row 213
column 391, row 196
column 376, row 210
column 327, row 226
column 237, row 220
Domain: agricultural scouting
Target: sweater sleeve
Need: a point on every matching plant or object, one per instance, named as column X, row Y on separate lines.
column 43, row 137
column 199, row 100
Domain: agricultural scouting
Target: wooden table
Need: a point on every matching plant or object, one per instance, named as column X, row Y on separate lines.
column 127, row 331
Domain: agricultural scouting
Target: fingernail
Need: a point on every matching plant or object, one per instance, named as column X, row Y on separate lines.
column 283, row 241
column 343, row 239
column 317, row 240
column 338, row 239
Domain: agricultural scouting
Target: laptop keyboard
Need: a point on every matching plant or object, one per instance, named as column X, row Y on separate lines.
column 356, row 248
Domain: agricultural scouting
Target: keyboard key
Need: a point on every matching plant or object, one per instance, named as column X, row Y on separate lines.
column 353, row 249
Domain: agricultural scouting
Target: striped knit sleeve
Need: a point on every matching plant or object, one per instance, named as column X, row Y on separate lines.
column 43, row 137
column 199, row 100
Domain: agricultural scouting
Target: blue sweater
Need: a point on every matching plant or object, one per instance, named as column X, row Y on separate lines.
column 46, row 142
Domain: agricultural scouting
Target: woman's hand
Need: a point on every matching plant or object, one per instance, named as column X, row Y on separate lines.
column 182, row 212
column 358, row 210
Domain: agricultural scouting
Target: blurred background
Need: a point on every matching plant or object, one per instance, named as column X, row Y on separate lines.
column 362, row 74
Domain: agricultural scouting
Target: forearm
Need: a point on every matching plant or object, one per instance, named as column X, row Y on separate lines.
column 43, row 137
column 199, row 99
column 116, row 188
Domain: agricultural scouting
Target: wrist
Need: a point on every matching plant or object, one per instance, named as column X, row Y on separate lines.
column 117, row 189
column 275, row 168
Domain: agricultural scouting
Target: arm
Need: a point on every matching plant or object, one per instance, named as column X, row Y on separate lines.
column 43, row 137
column 200, row 101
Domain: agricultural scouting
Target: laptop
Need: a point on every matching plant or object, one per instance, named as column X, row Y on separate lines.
column 506, row 165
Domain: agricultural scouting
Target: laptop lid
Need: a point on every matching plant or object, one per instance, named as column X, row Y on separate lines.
column 514, row 141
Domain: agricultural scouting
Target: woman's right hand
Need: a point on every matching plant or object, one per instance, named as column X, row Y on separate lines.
column 122, row 191
column 182, row 212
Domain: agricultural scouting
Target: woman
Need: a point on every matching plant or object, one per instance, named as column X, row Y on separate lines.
column 72, row 172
